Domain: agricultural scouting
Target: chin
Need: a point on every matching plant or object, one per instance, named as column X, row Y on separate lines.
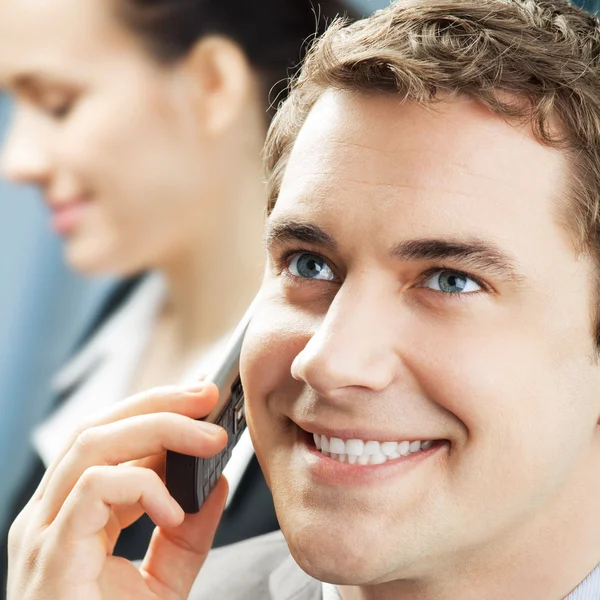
column 99, row 258
column 340, row 552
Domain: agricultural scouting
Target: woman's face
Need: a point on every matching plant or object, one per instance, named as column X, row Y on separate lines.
column 110, row 136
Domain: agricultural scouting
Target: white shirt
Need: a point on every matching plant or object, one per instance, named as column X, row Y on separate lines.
column 108, row 362
column 330, row 592
column 588, row 589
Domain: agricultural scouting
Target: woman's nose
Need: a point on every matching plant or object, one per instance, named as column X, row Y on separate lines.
column 353, row 346
column 24, row 157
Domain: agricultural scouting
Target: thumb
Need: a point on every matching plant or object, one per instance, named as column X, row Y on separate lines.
column 176, row 555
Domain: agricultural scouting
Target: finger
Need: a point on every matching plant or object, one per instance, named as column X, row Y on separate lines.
column 176, row 555
column 127, row 440
column 156, row 462
column 194, row 401
column 130, row 514
column 124, row 516
column 88, row 509
column 80, row 543
column 114, row 527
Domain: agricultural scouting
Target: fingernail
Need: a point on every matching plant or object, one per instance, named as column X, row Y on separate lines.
column 209, row 428
column 195, row 388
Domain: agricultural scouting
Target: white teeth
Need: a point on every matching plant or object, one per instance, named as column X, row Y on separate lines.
column 389, row 448
column 338, row 446
column 370, row 452
column 355, row 447
column 378, row 459
column 371, row 448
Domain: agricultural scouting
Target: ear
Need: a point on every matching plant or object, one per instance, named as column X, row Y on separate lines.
column 222, row 79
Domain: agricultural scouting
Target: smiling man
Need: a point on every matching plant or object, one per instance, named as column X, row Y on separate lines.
column 422, row 372
column 422, row 375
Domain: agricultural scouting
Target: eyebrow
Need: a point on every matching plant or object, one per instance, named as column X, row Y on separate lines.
column 477, row 253
column 287, row 231
column 474, row 253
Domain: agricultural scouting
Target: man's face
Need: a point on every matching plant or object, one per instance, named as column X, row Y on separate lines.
column 420, row 287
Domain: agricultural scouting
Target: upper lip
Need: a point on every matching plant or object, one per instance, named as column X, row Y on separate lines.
column 60, row 202
column 362, row 434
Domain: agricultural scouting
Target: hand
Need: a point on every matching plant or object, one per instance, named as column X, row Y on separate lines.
column 110, row 473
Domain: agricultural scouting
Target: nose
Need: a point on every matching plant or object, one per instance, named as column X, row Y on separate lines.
column 352, row 346
column 24, row 159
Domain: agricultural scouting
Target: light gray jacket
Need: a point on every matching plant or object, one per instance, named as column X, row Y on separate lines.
column 260, row 568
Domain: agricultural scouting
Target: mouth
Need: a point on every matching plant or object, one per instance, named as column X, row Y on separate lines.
column 349, row 459
column 66, row 216
column 370, row 452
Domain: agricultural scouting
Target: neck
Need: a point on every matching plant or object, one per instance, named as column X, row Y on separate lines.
column 213, row 280
column 548, row 557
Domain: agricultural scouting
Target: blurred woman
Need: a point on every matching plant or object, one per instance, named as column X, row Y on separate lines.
column 141, row 122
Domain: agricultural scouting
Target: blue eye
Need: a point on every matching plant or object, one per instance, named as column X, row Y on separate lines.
column 310, row 266
column 452, row 282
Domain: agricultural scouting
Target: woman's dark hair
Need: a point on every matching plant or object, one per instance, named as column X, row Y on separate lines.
column 272, row 33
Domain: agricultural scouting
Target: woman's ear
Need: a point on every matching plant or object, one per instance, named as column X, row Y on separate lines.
column 222, row 80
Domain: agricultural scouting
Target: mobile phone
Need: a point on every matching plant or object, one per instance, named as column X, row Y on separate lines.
column 190, row 479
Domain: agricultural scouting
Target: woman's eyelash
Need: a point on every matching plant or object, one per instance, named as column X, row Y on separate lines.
column 59, row 110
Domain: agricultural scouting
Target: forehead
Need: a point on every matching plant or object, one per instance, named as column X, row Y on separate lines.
column 58, row 34
column 365, row 161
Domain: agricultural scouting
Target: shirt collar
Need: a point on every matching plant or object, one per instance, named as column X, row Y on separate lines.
column 101, row 369
column 330, row 592
column 588, row 589
column 134, row 317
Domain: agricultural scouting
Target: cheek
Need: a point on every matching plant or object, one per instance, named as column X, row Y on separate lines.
column 145, row 179
column 273, row 340
column 519, row 392
column 492, row 374
column 126, row 133
column 268, row 352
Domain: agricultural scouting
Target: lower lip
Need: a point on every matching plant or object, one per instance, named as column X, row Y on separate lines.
column 66, row 219
column 326, row 470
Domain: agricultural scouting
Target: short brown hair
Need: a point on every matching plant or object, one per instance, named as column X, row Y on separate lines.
column 531, row 60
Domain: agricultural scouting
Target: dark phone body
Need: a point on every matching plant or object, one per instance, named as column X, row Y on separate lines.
column 190, row 479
